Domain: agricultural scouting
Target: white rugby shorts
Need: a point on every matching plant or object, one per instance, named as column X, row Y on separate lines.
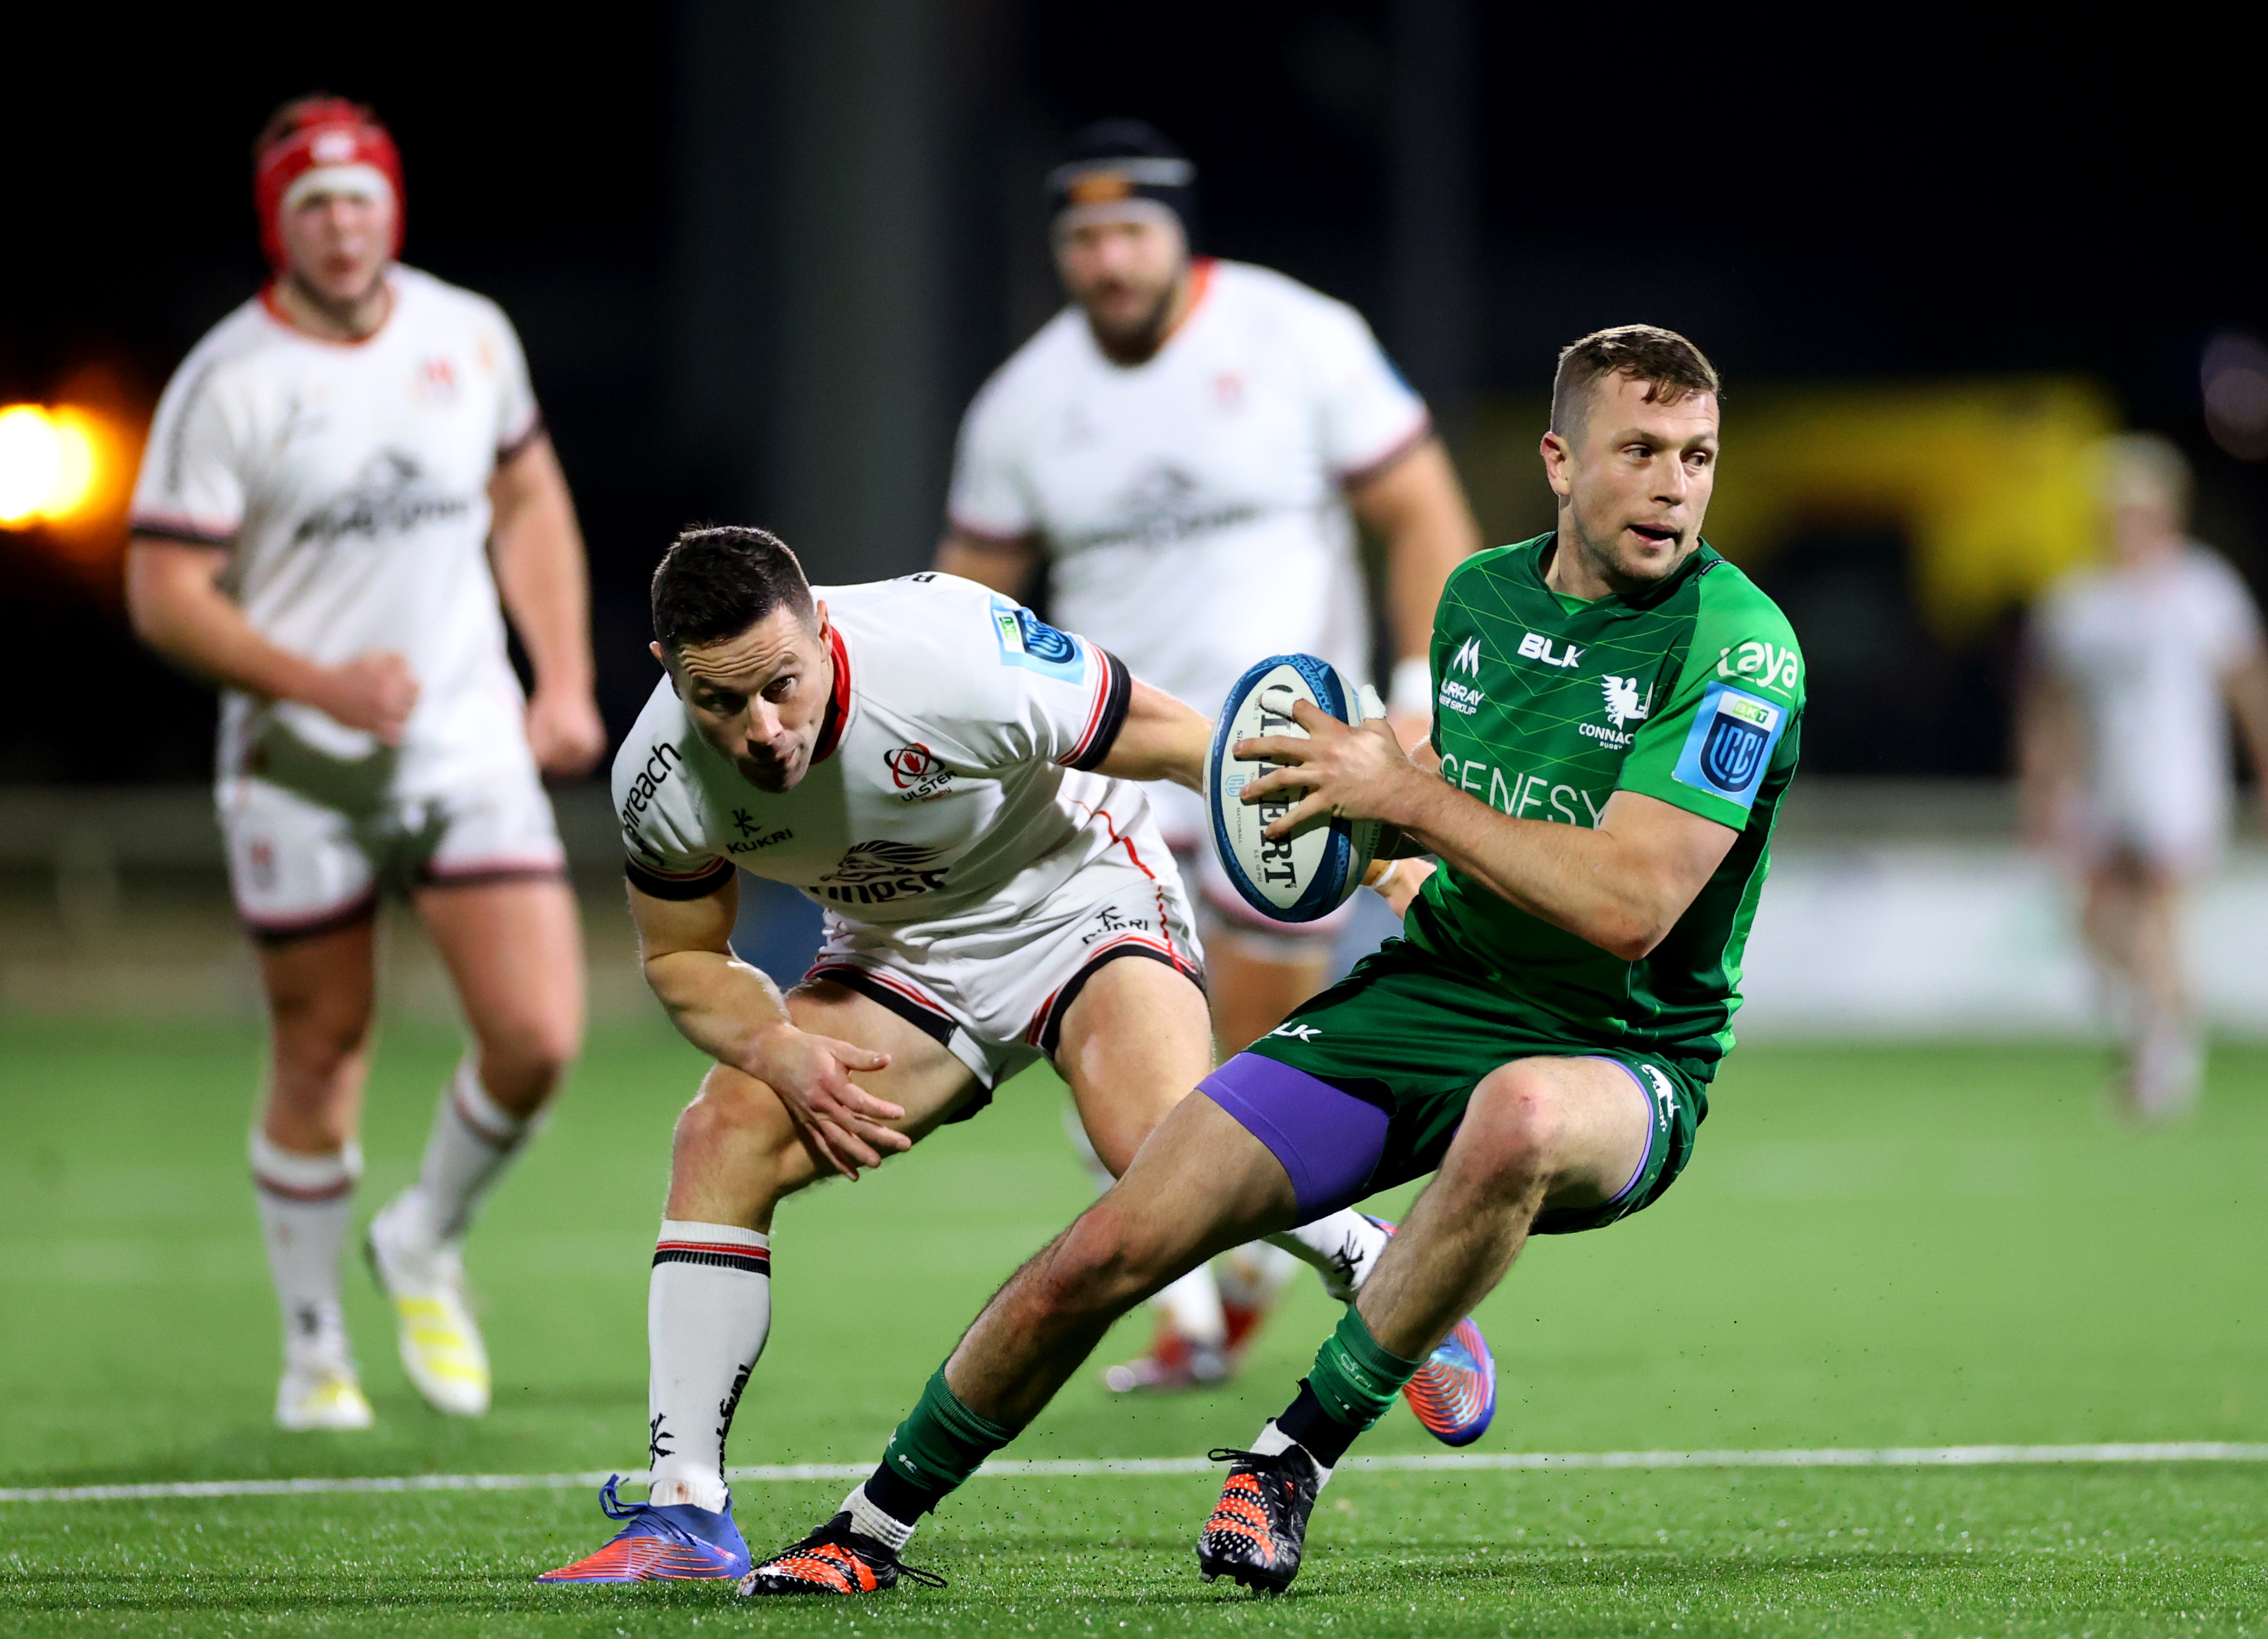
column 1186, row 820
column 996, row 997
column 297, row 866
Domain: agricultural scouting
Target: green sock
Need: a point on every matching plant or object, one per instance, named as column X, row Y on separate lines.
column 1355, row 1378
column 940, row 1444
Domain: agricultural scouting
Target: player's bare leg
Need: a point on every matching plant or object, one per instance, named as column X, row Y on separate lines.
column 1206, row 1317
column 514, row 950
column 1537, row 1134
column 1557, row 1133
column 1135, row 1042
column 1124, row 1077
column 2131, row 916
column 735, row 1157
column 1201, row 1185
column 304, row 1160
column 1253, row 990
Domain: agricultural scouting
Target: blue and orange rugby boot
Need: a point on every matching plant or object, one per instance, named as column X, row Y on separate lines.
column 1259, row 1527
column 1454, row 1391
column 834, row 1559
column 661, row 1542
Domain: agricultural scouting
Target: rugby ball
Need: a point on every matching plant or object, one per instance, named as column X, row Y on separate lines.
column 1311, row 872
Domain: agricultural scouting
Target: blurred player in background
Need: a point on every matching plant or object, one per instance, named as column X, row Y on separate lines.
column 2125, row 750
column 344, row 475
column 1187, row 447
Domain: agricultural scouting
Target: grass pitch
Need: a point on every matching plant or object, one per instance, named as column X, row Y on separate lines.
column 1910, row 1246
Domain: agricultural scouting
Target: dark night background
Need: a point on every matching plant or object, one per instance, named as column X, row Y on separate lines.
column 761, row 255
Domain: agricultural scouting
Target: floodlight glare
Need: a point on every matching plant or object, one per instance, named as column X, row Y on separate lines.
column 47, row 465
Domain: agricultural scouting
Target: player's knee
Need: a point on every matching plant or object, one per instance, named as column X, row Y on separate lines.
column 1105, row 1259
column 1515, row 1126
column 534, row 1053
column 315, row 1033
column 732, row 1117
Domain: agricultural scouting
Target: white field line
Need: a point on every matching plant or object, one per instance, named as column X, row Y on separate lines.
column 1087, row 1468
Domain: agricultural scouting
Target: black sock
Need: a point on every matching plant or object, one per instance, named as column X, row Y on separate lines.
column 898, row 1496
column 1305, row 1420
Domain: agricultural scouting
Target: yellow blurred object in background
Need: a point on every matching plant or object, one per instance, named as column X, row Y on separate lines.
column 49, row 464
column 1990, row 483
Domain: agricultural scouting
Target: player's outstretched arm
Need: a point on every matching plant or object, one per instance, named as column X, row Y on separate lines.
column 737, row 1016
column 546, row 588
column 1621, row 885
column 173, row 596
column 1161, row 740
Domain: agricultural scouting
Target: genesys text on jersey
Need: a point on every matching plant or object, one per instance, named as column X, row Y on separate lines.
column 1523, row 793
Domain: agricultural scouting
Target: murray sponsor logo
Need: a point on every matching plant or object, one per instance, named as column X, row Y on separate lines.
column 877, row 873
column 1464, row 699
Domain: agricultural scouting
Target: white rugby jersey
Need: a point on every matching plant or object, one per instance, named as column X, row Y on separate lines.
column 349, row 481
column 2147, row 651
column 1192, row 507
column 948, row 787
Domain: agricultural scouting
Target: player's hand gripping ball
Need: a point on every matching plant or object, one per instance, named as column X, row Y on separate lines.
column 1311, row 872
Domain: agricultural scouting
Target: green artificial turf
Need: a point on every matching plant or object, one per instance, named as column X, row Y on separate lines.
column 1882, row 1246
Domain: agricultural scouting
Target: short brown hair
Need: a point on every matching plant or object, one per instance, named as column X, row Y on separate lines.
column 1671, row 367
column 715, row 582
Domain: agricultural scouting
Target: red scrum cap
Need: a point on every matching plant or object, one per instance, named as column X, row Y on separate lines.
column 317, row 133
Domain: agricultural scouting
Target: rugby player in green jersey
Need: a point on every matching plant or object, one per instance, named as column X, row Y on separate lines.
column 1616, row 716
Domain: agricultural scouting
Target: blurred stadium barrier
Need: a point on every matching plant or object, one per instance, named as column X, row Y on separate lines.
column 1896, row 908
column 1905, row 909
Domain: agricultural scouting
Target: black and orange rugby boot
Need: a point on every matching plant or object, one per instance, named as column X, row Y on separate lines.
column 1260, row 1524
column 834, row 1559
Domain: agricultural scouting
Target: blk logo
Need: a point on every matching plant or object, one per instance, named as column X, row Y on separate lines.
column 1537, row 646
column 1468, row 658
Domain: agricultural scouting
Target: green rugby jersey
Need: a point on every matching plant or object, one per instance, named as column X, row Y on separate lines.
column 1545, row 705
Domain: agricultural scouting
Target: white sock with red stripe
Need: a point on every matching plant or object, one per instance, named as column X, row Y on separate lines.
column 473, row 1138
column 305, row 1203
column 707, row 1311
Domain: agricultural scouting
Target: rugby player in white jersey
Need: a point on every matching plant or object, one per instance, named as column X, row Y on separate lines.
column 2125, row 739
column 957, row 784
column 1187, row 448
column 344, row 475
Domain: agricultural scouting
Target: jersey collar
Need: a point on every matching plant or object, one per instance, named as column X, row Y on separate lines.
column 276, row 314
column 838, row 703
column 1698, row 562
